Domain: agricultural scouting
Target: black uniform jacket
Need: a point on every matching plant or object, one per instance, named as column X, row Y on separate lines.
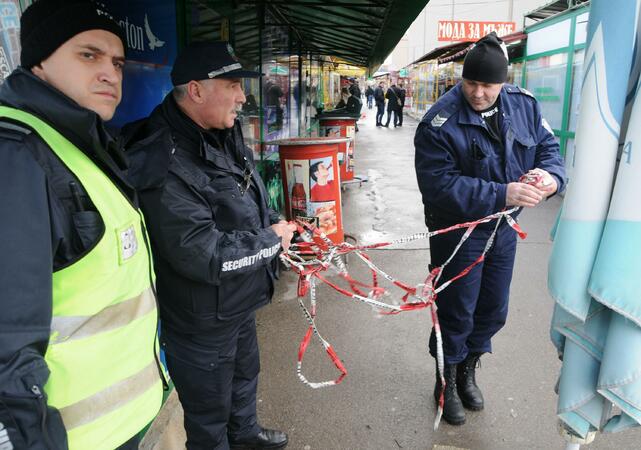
column 42, row 230
column 208, row 219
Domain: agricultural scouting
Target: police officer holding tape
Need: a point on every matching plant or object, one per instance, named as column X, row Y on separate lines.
column 215, row 244
column 471, row 149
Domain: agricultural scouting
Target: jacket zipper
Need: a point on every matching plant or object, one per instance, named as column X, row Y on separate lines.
column 43, row 414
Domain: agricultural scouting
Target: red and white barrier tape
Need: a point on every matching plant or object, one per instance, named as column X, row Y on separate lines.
column 318, row 254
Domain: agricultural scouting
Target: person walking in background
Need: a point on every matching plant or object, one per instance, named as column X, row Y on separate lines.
column 215, row 243
column 379, row 98
column 393, row 105
column 472, row 147
column 355, row 89
column 79, row 366
column 369, row 93
column 401, row 95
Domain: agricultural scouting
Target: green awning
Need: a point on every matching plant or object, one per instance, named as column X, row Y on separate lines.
column 359, row 32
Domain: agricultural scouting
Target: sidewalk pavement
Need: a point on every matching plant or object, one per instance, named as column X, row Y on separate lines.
column 386, row 400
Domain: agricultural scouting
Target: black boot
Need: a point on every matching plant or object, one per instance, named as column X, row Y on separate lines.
column 453, row 412
column 468, row 391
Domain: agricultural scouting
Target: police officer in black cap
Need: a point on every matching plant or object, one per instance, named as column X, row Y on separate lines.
column 215, row 245
column 471, row 149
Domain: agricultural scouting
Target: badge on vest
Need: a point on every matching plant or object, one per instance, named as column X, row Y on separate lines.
column 127, row 243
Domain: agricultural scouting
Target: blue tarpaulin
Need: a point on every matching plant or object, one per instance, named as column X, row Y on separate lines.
column 595, row 269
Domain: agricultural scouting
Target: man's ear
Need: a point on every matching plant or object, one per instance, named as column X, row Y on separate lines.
column 38, row 71
column 196, row 92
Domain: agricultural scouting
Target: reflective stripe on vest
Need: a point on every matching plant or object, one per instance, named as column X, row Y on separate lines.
column 104, row 379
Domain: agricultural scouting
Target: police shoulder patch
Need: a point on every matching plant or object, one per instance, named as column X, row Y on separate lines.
column 441, row 117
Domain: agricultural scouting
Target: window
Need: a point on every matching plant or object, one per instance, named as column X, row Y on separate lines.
column 575, row 95
column 546, row 80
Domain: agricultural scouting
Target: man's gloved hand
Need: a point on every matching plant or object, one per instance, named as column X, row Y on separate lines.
column 285, row 231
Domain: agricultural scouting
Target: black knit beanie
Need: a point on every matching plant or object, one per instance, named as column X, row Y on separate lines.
column 47, row 24
column 487, row 60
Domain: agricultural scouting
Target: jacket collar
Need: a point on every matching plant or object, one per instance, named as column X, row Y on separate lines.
column 209, row 144
column 468, row 116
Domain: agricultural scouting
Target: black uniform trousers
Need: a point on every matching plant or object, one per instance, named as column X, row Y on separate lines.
column 473, row 308
column 216, row 376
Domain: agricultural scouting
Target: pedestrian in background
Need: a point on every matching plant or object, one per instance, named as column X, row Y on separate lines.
column 393, row 105
column 78, row 362
column 472, row 147
column 369, row 93
column 401, row 95
column 215, row 242
column 379, row 98
column 355, row 89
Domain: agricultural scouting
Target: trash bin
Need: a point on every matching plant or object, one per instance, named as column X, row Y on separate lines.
column 311, row 182
column 342, row 126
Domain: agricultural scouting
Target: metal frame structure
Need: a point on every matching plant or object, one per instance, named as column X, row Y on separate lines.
column 359, row 32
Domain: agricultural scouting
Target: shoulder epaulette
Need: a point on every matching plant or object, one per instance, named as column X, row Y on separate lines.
column 14, row 127
column 11, row 130
column 519, row 90
column 526, row 92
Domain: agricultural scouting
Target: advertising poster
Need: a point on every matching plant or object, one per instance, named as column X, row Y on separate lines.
column 323, row 194
column 350, row 133
column 298, row 186
column 325, row 214
column 271, row 174
column 321, row 180
column 331, row 131
column 150, row 30
column 9, row 37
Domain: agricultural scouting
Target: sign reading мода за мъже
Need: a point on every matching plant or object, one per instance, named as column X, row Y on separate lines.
column 459, row 30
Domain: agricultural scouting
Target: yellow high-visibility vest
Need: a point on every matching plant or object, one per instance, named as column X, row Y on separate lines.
column 105, row 379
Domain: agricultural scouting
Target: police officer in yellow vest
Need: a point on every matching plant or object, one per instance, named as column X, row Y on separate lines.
column 78, row 319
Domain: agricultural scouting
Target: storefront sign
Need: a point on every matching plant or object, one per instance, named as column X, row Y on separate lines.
column 150, row 31
column 458, row 30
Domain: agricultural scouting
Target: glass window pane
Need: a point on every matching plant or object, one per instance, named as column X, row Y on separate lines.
column 515, row 73
column 546, row 80
column 575, row 96
column 549, row 38
column 581, row 31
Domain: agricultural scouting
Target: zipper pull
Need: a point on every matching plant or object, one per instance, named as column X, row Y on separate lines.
column 36, row 390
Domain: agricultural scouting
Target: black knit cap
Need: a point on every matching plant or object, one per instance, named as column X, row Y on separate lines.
column 47, row 24
column 487, row 60
column 206, row 60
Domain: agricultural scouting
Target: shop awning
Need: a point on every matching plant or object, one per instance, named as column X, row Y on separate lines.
column 359, row 32
column 458, row 50
column 553, row 8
